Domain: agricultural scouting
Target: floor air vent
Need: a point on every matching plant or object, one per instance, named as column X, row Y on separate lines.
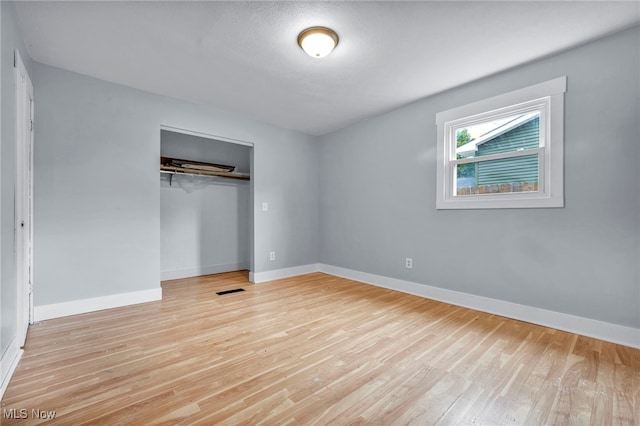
column 235, row 290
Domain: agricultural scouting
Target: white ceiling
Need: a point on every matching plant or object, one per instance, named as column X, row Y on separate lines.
column 243, row 56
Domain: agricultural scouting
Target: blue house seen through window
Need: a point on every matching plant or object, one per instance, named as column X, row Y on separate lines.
column 516, row 133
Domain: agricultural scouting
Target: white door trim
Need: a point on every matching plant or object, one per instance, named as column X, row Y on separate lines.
column 23, row 198
column 204, row 135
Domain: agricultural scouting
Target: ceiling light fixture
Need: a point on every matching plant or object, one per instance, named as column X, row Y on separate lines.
column 318, row 42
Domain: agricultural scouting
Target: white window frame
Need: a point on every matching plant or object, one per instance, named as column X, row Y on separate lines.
column 548, row 98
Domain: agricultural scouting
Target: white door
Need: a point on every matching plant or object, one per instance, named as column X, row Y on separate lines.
column 24, row 197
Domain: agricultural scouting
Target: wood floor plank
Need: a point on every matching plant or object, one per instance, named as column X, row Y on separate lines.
column 314, row 350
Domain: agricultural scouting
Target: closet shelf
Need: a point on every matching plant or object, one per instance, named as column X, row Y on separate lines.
column 173, row 170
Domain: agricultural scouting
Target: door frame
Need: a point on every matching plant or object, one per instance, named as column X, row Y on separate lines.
column 251, row 181
column 24, row 198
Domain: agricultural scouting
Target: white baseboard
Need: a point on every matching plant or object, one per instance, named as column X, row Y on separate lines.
column 12, row 357
column 277, row 274
column 202, row 270
column 83, row 306
column 614, row 333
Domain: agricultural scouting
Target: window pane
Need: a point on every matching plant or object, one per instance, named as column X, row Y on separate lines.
column 516, row 174
column 513, row 133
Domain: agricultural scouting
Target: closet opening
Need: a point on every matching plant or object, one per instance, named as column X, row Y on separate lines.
column 206, row 193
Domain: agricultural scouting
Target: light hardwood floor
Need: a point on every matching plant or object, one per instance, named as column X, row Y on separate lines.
column 315, row 349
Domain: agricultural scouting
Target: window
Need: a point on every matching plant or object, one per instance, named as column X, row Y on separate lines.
column 503, row 152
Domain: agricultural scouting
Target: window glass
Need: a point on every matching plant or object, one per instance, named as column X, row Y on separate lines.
column 517, row 174
column 512, row 133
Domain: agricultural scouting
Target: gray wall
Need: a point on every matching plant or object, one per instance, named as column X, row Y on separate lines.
column 204, row 221
column 378, row 196
column 11, row 39
column 97, row 195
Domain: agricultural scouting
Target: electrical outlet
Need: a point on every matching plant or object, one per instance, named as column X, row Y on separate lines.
column 272, row 255
column 408, row 263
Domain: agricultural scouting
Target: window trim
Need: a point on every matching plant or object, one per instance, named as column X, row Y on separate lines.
column 549, row 98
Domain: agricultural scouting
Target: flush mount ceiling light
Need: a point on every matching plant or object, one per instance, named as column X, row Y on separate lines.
column 318, row 42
